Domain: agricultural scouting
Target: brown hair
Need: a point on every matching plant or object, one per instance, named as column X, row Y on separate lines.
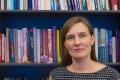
column 65, row 57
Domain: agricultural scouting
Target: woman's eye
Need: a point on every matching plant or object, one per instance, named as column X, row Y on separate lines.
column 82, row 35
column 70, row 37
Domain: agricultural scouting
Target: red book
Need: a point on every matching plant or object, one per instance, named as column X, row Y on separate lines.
column 114, row 4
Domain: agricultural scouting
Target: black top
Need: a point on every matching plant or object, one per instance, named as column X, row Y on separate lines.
column 107, row 73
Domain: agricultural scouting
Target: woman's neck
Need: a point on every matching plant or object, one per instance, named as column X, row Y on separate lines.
column 82, row 66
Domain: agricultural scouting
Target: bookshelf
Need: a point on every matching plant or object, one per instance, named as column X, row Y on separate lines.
column 31, row 71
column 45, row 19
column 28, row 71
column 34, row 13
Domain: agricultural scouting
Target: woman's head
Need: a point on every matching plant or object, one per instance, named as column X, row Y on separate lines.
column 77, row 40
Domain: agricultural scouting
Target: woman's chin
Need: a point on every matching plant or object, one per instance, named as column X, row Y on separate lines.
column 79, row 57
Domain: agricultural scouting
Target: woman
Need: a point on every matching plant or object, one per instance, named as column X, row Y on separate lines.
column 78, row 56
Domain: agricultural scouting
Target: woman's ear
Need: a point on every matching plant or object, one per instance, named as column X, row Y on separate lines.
column 93, row 39
column 65, row 44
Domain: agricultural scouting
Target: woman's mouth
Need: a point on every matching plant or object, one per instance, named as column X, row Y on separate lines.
column 78, row 50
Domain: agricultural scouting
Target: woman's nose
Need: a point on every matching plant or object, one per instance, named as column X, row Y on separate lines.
column 77, row 41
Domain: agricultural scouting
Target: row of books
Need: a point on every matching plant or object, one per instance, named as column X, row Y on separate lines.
column 30, row 45
column 107, row 46
column 60, row 5
column 43, row 45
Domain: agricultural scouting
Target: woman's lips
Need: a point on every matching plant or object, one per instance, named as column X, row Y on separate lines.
column 78, row 50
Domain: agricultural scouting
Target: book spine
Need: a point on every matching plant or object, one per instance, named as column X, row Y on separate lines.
column 25, row 4
column 21, row 4
column 18, row 4
column 62, row 4
column 107, row 46
column 73, row 5
column 117, row 46
column 96, row 4
column 41, row 45
column 31, row 46
column 110, row 46
column 50, row 59
column 12, row 54
column 52, row 4
column 35, row 44
column 25, row 54
column 54, row 43
column 96, row 41
column 29, row 4
column 114, row 4
column 78, row 4
column 58, row 5
column 107, row 5
column 81, row 5
column 38, row 45
column 2, row 5
column 7, row 45
column 3, row 47
column 69, row 5
column 119, row 4
column 114, row 49
column 47, row 5
column 84, row 5
column 58, row 45
column 19, row 60
column 5, row 4
column 102, row 49
column 16, row 44
column 0, row 47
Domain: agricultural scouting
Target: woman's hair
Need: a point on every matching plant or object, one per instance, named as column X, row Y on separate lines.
column 65, row 56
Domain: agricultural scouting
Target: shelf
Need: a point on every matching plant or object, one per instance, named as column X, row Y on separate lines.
column 33, row 70
column 27, row 64
column 55, row 13
column 30, row 71
column 42, row 64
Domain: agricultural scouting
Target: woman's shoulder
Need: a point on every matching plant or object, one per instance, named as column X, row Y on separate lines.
column 110, row 71
column 60, row 69
column 105, row 68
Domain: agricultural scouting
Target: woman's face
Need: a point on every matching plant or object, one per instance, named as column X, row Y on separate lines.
column 79, row 41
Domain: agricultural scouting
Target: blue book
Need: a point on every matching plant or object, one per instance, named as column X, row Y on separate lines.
column 18, row 4
column 11, row 48
column 58, row 7
column 99, row 52
column 107, row 46
column 29, row 4
column 15, row 4
column 69, row 5
column 54, row 44
column 52, row 3
column 96, row 4
column 78, row 4
column 102, row 54
column 110, row 46
column 84, row 5
column 35, row 43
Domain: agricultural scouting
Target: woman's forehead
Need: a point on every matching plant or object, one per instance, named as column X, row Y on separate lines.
column 78, row 27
